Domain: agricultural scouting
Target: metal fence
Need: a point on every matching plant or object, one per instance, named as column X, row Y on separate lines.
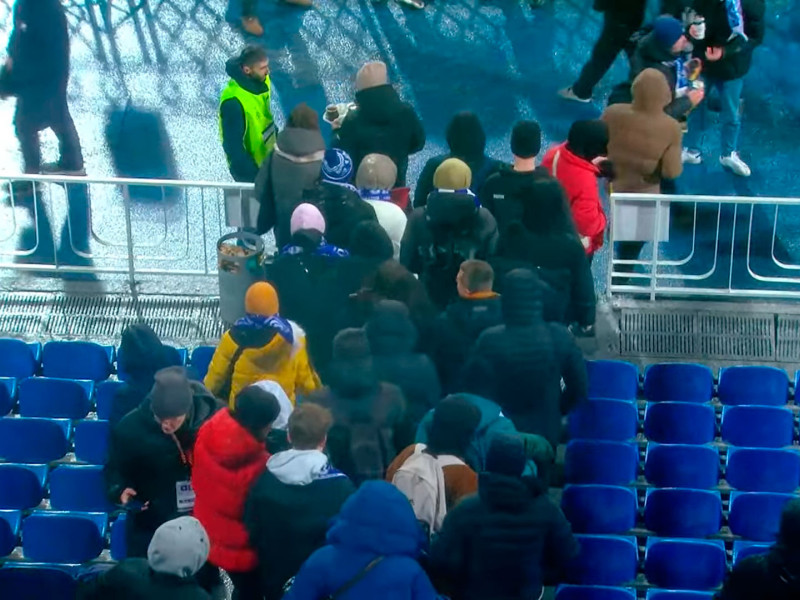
column 705, row 246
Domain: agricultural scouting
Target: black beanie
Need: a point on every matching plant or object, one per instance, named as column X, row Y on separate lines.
column 526, row 139
column 455, row 420
column 588, row 139
column 255, row 408
column 506, row 455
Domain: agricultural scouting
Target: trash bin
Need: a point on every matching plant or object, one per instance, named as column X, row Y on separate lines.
column 240, row 262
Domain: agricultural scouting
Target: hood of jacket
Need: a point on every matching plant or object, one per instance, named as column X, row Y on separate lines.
column 233, row 68
column 473, row 315
column 466, row 138
column 379, row 104
column 142, row 353
column 505, row 493
column 651, row 92
column 567, row 158
column 353, row 378
column 451, row 207
column 275, row 388
column 301, row 467
column 522, row 298
column 378, row 518
column 300, row 145
column 390, row 330
column 228, row 443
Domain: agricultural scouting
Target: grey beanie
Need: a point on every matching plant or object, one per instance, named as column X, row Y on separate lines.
column 179, row 547
column 171, row 395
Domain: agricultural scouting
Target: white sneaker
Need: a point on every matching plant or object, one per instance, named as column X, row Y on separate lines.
column 691, row 157
column 735, row 164
column 568, row 94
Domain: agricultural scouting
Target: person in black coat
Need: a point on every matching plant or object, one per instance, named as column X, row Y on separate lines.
column 508, row 541
column 149, row 455
column 294, row 499
column 530, row 359
column 36, row 71
column 381, row 123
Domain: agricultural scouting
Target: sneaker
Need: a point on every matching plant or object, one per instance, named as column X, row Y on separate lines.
column 413, row 3
column 691, row 157
column 252, row 26
column 59, row 169
column 568, row 94
column 303, row 3
column 735, row 164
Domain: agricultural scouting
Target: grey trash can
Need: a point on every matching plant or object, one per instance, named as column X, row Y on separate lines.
column 240, row 262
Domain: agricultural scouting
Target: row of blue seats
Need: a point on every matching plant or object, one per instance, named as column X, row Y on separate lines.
column 684, row 423
column 600, row 592
column 674, row 465
column 41, row 441
column 68, row 486
column 673, row 512
column 689, row 382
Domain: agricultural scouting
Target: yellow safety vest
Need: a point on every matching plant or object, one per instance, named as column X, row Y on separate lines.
column 259, row 128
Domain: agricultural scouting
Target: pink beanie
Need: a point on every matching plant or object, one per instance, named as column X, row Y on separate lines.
column 306, row 216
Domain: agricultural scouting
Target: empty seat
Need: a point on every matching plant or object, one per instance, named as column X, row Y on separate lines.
column 612, row 379
column 77, row 360
column 91, row 441
column 80, row 488
column 685, row 564
column 55, row 398
column 678, row 595
column 21, row 486
column 680, row 512
column 33, row 440
column 742, row 549
column 594, row 592
column 36, row 583
column 201, row 358
column 757, row 426
column 599, row 508
column 9, row 530
column 753, row 385
column 678, row 382
column 105, row 398
column 174, row 356
column 682, row 465
column 18, row 359
column 604, row 560
column 8, row 393
column 680, row 423
column 615, row 420
column 594, row 461
column 756, row 515
column 119, row 540
column 763, row 469
column 63, row 537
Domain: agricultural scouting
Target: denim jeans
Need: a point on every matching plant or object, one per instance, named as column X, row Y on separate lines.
column 730, row 94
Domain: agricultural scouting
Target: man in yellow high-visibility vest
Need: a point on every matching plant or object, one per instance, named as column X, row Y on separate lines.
column 245, row 119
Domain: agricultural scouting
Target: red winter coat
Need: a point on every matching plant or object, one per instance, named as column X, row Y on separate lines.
column 579, row 179
column 227, row 461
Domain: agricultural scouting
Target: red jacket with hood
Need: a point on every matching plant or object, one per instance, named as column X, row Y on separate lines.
column 578, row 177
column 227, row 461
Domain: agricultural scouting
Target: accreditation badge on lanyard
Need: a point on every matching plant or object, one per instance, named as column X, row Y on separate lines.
column 184, row 494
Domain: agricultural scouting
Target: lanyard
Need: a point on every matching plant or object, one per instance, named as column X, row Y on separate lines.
column 184, row 458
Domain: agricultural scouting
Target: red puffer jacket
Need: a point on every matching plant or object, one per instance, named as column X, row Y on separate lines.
column 579, row 179
column 227, row 461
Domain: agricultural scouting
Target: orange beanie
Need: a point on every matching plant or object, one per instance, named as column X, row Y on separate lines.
column 261, row 299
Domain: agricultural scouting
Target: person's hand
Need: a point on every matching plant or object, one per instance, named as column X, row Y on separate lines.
column 336, row 123
column 696, row 96
column 714, row 53
column 127, row 495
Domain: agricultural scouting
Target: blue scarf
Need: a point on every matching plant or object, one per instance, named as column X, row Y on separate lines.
column 324, row 249
column 275, row 323
column 681, row 80
column 733, row 10
column 367, row 194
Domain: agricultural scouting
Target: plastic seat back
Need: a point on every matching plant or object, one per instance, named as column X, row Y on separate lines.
column 743, row 549
column 79, row 488
column 77, row 360
column 8, row 394
column 33, row 440
column 119, row 538
column 62, row 537
column 9, row 530
column 685, row 564
column 201, row 358
column 757, row 515
column 615, row 420
column 105, row 398
column 592, row 461
column 176, row 357
column 678, row 382
column 682, row 465
column 753, row 385
column 599, row 508
column 612, row 379
column 679, row 512
column 678, row 595
column 594, row 592
column 604, row 560
column 680, row 423
column 758, row 426
column 763, row 469
column 37, row 583
column 54, row 398
column 21, row 486
column 18, row 359
column 91, row 441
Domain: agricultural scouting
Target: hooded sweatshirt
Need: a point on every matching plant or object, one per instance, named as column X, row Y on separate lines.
column 375, row 522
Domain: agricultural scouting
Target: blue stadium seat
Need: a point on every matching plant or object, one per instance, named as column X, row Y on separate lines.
column 742, row 549
column 682, row 465
column 680, row 423
column 594, row 461
column 80, row 488
column 55, row 398
column 756, row 515
column 757, row 426
column 9, row 530
column 63, row 537
column 678, row 595
column 615, row 420
column 91, row 441
column 8, row 394
column 37, row 583
column 105, row 398
column 678, row 382
column 33, row 440
column 18, row 359
column 594, row 592
column 77, row 360
column 201, row 358
column 611, row 379
column 119, row 539
column 763, row 469
column 753, row 385
column 599, row 508
column 175, row 356
column 680, row 512
column 681, row 564
column 21, row 486
column 604, row 560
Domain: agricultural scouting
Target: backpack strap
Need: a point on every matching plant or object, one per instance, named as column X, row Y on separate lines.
column 227, row 382
column 354, row 580
column 555, row 164
column 448, row 460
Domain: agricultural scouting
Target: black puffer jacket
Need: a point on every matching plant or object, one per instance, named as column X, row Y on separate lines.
column 529, row 359
column 382, row 124
column 504, row 544
column 771, row 576
column 342, row 208
column 737, row 52
column 133, row 579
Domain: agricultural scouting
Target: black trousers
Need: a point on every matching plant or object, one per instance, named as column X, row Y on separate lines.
column 617, row 30
column 246, row 586
column 34, row 115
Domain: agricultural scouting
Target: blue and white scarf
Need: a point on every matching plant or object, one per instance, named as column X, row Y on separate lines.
column 276, row 323
column 367, row 194
column 324, row 249
column 681, row 80
column 733, row 10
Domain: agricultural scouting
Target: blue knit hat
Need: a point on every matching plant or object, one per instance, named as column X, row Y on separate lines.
column 337, row 166
column 667, row 30
column 506, row 455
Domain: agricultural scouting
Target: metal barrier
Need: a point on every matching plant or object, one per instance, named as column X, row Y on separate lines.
column 714, row 246
column 119, row 226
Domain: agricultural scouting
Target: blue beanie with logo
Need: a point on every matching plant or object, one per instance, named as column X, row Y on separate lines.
column 337, row 166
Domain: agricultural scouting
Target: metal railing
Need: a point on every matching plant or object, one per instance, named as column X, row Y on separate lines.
column 706, row 246
column 120, row 226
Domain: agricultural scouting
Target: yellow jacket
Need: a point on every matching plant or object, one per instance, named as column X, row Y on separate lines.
column 268, row 355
